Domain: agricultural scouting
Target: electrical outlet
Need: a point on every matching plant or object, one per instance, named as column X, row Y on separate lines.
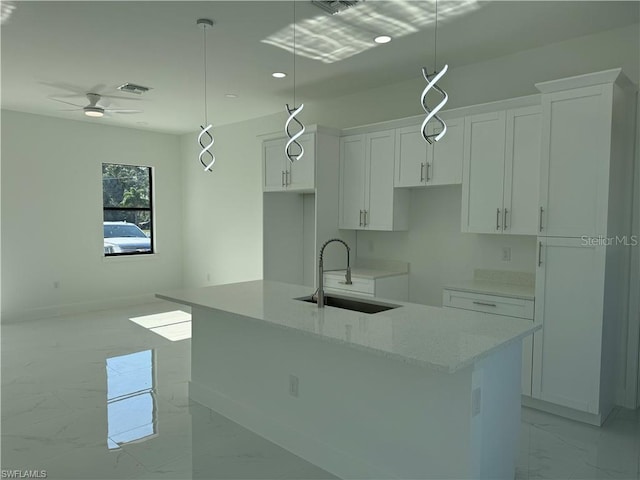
column 506, row 254
column 476, row 401
column 293, row 385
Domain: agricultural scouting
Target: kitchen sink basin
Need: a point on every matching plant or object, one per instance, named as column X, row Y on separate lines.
column 355, row 304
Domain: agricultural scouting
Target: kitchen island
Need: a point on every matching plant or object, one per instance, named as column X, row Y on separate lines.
column 411, row 392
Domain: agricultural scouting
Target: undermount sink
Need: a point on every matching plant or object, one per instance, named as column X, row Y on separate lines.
column 354, row 304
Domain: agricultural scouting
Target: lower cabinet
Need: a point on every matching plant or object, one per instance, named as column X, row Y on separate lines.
column 498, row 305
column 574, row 347
column 393, row 287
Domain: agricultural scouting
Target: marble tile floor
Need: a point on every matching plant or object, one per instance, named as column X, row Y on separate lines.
column 96, row 396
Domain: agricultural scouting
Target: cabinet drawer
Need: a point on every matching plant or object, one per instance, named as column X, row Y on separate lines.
column 511, row 307
column 359, row 285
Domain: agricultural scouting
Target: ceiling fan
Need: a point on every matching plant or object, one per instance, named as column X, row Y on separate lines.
column 93, row 109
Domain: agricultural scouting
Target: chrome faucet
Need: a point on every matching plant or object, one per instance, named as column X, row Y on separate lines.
column 321, row 269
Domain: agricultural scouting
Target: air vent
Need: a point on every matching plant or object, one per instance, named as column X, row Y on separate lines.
column 335, row 6
column 133, row 88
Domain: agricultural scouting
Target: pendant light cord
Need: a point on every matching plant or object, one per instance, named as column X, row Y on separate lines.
column 294, row 53
column 204, row 32
column 435, row 42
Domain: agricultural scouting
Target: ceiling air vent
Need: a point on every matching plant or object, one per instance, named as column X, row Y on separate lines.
column 335, row 6
column 133, row 88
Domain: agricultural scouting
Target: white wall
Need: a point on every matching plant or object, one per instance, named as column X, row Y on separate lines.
column 223, row 210
column 52, row 216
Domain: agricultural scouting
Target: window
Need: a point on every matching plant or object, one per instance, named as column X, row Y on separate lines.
column 127, row 209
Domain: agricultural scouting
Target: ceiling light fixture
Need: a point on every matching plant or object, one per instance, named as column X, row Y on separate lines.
column 289, row 149
column 95, row 112
column 231, row 95
column 206, row 23
column 432, row 79
column 278, row 74
column 382, row 39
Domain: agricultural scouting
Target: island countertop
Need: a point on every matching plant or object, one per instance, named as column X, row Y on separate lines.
column 443, row 339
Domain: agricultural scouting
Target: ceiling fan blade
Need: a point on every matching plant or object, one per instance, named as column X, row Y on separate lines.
column 70, row 110
column 65, row 86
column 117, row 110
column 68, row 103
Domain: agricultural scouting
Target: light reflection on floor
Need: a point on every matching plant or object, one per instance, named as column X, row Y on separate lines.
column 58, row 384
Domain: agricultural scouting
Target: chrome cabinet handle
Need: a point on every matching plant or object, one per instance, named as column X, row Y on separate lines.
column 422, row 172
column 497, row 219
column 287, row 177
column 485, row 304
column 428, row 165
column 360, row 217
column 539, row 254
column 365, row 218
column 541, row 210
column 282, row 178
column 504, row 219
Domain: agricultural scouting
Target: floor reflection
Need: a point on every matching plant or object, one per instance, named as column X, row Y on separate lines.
column 131, row 401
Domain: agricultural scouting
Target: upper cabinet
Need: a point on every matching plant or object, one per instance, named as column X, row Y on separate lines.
column 279, row 174
column 367, row 198
column 575, row 171
column 501, row 165
column 420, row 164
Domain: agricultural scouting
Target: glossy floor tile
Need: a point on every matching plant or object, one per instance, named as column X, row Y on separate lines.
column 98, row 395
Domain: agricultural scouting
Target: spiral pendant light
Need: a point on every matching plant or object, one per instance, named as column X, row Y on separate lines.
column 205, row 138
column 293, row 149
column 432, row 80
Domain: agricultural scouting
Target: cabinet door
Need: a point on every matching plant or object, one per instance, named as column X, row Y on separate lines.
column 273, row 166
column 379, row 173
column 411, row 157
column 352, row 181
column 302, row 172
column 522, row 167
column 574, row 171
column 482, row 186
column 446, row 156
column 569, row 305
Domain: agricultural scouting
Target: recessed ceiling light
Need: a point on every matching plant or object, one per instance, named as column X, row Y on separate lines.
column 278, row 74
column 231, row 95
column 382, row 39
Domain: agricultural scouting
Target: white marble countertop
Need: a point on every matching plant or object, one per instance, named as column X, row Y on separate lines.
column 525, row 292
column 368, row 273
column 443, row 339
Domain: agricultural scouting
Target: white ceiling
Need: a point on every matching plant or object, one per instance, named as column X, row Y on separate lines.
column 52, row 48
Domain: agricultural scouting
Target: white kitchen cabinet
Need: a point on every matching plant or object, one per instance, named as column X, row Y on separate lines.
column 498, row 305
column 501, row 171
column 483, row 182
column 420, row 164
column 582, row 283
column 279, row 174
column 367, row 198
column 576, row 143
column 393, row 287
column 569, row 305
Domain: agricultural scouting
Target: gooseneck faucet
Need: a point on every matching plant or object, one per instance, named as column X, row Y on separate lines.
column 321, row 269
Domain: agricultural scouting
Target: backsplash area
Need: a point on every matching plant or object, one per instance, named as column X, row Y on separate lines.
column 438, row 252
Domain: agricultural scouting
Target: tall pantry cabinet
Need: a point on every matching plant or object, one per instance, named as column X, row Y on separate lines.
column 584, row 241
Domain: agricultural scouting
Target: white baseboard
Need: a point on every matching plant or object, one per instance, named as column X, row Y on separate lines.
column 74, row 308
column 565, row 412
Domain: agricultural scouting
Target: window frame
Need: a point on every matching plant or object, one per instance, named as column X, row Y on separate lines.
column 152, row 242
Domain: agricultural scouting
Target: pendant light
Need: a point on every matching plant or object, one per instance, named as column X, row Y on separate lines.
column 431, row 80
column 206, row 152
column 292, row 152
